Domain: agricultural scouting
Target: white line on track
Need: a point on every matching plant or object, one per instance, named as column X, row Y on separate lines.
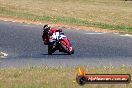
column 95, row 33
column 126, row 35
column 13, row 21
column 4, row 55
column 5, row 20
column 116, row 33
column 27, row 25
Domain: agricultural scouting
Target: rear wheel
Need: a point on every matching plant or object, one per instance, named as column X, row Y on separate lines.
column 49, row 49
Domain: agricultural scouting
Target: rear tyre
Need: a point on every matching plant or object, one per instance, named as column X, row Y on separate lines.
column 50, row 49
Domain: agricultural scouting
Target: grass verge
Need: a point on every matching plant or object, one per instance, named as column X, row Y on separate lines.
column 56, row 77
column 114, row 14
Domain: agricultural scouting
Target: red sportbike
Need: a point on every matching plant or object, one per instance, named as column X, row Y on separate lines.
column 61, row 43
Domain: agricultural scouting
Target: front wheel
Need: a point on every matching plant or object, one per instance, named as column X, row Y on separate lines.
column 72, row 52
column 65, row 49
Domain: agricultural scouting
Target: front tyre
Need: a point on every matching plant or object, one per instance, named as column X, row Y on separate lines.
column 72, row 52
column 65, row 49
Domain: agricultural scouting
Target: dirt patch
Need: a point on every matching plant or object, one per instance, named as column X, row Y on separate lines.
column 95, row 29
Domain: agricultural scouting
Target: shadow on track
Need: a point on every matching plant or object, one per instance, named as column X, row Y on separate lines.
column 55, row 54
column 41, row 56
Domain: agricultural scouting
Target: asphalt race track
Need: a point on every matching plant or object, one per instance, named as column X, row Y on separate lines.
column 24, row 46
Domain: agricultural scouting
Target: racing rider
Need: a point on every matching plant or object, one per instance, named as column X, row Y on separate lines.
column 48, row 33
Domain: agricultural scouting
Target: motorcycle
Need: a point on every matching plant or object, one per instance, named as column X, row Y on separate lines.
column 61, row 43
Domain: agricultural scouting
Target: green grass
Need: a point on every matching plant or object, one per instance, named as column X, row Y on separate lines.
column 56, row 77
column 110, row 14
